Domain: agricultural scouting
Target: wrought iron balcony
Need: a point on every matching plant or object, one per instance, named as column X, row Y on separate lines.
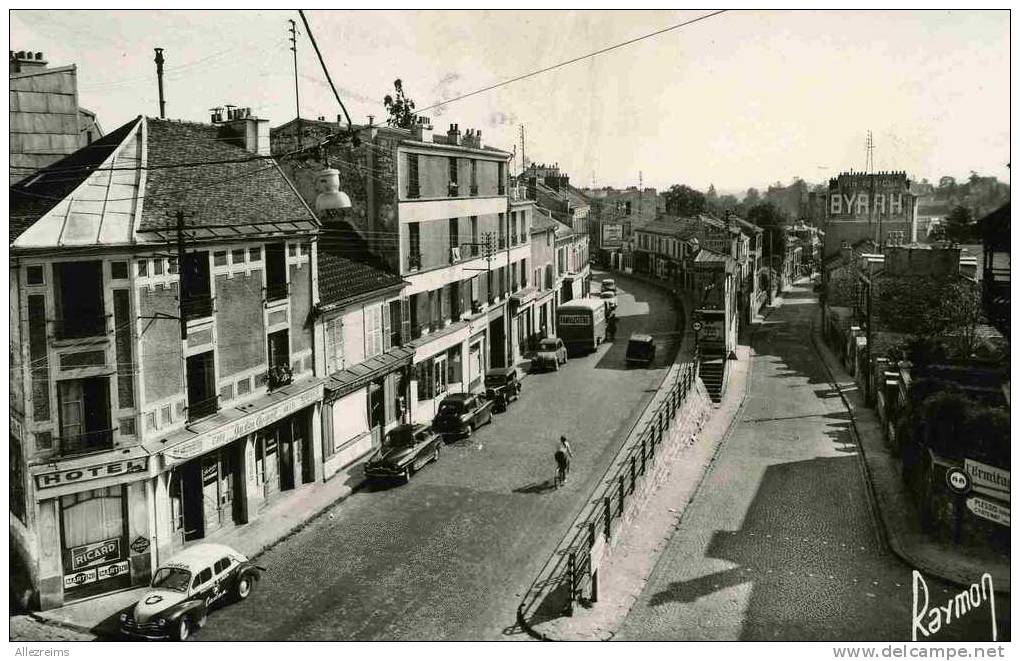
column 93, row 441
column 203, row 408
column 280, row 375
column 414, row 261
column 79, row 326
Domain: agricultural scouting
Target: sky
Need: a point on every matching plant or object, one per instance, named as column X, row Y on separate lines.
column 745, row 98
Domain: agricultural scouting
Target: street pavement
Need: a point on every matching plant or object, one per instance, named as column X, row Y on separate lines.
column 446, row 556
column 780, row 542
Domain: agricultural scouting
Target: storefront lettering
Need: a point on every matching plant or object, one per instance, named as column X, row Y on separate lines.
column 59, row 478
column 246, row 425
column 95, row 554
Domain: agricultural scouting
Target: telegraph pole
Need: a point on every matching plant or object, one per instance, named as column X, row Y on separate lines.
column 297, row 96
column 180, row 272
column 524, row 163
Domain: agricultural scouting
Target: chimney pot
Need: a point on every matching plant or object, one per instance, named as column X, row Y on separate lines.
column 38, row 55
column 21, row 54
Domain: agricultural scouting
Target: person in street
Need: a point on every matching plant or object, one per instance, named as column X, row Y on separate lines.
column 611, row 327
column 563, row 456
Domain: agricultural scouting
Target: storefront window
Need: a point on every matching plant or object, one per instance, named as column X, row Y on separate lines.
column 94, row 535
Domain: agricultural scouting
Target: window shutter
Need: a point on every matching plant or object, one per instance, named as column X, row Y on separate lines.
column 388, row 397
column 386, row 344
column 405, row 320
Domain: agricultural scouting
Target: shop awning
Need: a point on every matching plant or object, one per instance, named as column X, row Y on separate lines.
column 341, row 383
column 233, row 422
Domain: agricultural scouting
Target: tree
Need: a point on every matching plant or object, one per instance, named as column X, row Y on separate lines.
column 684, row 201
column 957, row 316
column 400, row 108
column 773, row 220
column 959, row 225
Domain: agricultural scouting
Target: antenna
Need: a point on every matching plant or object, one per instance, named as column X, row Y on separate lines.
column 297, row 96
column 869, row 163
column 524, row 162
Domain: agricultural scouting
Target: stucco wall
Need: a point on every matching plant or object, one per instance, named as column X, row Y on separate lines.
column 239, row 321
column 161, row 355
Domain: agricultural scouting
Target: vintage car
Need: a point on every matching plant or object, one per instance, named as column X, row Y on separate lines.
column 405, row 450
column 641, row 349
column 609, row 296
column 461, row 413
column 608, row 284
column 502, row 386
column 550, row 355
column 184, row 588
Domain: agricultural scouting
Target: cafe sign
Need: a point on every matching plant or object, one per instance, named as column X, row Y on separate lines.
column 109, row 469
column 93, row 554
column 203, row 443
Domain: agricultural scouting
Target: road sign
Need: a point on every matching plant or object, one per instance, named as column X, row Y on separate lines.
column 990, row 510
column 697, row 326
column 958, row 481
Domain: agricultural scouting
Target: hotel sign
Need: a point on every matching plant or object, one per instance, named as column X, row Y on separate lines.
column 211, row 440
column 109, row 469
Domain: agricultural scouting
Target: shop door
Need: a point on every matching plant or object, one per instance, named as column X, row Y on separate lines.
column 303, row 448
column 267, row 463
column 376, row 412
column 474, row 365
column 189, row 486
column 211, row 493
column 286, row 456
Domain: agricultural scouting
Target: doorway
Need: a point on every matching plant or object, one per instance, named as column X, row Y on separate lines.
column 376, row 412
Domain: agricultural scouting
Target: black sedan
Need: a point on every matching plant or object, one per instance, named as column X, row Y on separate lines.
column 461, row 413
column 405, row 450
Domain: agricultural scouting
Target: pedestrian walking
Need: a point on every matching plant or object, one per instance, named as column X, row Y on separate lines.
column 563, row 455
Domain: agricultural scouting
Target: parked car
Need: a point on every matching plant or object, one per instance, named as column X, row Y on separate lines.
column 551, row 354
column 608, row 284
column 405, row 450
column 502, row 386
column 609, row 296
column 461, row 413
column 185, row 587
column 641, row 349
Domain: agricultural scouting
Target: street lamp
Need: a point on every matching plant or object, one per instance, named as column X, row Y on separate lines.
column 330, row 196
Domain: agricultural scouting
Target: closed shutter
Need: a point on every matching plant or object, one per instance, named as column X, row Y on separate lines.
column 389, row 397
column 386, row 321
column 405, row 319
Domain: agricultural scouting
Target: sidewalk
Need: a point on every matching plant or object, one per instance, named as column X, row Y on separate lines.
column 896, row 512
column 623, row 576
column 285, row 517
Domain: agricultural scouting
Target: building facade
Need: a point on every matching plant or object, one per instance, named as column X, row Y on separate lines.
column 435, row 211
column 166, row 387
column 46, row 122
column 878, row 206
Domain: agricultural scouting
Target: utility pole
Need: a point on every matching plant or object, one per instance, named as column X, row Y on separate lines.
column 159, row 80
column 297, row 96
column 524, row 163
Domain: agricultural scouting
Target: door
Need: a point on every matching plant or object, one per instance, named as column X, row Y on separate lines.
column 376, row 412
column 286, row 456
column 228, row 484
column 211, row 492
column 190, row 486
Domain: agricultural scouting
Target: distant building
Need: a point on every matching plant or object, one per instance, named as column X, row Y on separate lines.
column 46, row 122
column 859, row 205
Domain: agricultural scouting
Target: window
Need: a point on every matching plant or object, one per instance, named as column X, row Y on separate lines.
column 84, row 406
column 513, row 228
column 292, row 250
column 127, row 426
column 221, row 565
column 201, row 386
column 44, row 440
column 276, row 272
column 80, row 306
column 35, row 275
column 474, row 177
column 237, row 256
column 279, row 349
column 501, row 178
column 413, row 183
column 166, row 416
column 172, row 265
column 502, row 231
column 196, row 301
column 305, row 248
column 474, row 235
column 220, row 258
column 454, row 237
column 118, row 271
column 334, row 345
column 157, row 267
column 453, row 177
column 202, row 577
column 255, row 254
column 150, row 420
column 395, row 324
column 413, row 247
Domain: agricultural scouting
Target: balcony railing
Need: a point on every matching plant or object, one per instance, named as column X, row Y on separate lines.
column 79, row 326
column 279, row 375
column 501, row 243
column 203, row 408
column 93, row 441
column 452, row 189
column 414, row 261
column 474, row 190
column 277, row 291
column 196, row 307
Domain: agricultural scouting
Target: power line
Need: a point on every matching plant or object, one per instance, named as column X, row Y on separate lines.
column 322, row 62
column 573, row 60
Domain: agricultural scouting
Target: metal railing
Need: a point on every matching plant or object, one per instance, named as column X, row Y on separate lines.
column 93, row 441
column 571, row 567
column 79, row 326
column 414, row 261
column 203, row 408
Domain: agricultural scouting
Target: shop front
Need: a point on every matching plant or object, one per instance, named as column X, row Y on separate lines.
column 93, row 532
column 224, row 474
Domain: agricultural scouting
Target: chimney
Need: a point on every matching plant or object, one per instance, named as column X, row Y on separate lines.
column 453, row 135
column 23, row 61
column 421, row 128
column 246, row 131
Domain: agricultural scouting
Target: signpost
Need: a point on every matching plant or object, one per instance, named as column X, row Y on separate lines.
column 958, row 481
column 989, row 480
column 990, row 510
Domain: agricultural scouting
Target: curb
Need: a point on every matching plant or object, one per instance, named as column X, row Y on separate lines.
column 888, row 540
column 358, row 486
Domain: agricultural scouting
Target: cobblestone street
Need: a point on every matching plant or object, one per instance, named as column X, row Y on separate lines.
column 780, row 542
column 445, row 557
